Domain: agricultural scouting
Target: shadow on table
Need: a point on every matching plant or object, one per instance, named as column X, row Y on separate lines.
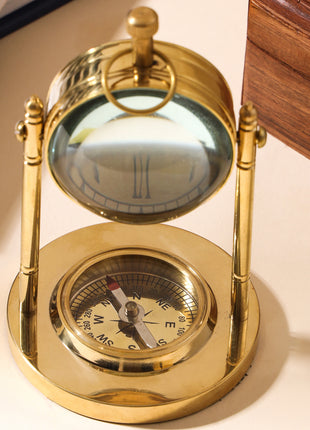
column 273, row 347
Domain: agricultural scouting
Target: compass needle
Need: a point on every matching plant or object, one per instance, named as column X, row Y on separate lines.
column 116, row 290
column 145, row 334
column 131, row 312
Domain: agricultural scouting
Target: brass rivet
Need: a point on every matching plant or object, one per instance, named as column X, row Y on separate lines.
column 261, row 137
column 21, row 131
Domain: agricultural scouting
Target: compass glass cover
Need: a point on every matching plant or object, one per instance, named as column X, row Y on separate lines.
column 167, row 301
column 140, row 169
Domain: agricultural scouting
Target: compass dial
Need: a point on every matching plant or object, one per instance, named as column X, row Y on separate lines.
column 132, row 304
column 168, row 309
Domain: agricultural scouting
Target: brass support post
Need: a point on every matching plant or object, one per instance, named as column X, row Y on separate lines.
column 142, row 24
column 249, row 137
column 30, row 132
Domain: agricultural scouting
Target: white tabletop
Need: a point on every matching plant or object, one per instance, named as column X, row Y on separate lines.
column 276, row 392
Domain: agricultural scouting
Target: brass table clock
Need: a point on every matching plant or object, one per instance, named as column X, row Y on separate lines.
column 121, row 321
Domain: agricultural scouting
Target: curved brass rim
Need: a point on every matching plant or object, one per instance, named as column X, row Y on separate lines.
column 127, row 109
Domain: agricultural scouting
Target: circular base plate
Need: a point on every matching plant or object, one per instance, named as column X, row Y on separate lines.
column 78, row 385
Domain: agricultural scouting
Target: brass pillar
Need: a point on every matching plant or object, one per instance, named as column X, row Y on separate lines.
column 249, row 136
column 30, row 132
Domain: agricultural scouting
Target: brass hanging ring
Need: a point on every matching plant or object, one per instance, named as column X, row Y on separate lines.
column 129, row 110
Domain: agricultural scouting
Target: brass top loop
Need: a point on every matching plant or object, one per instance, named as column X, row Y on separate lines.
column 127, row 109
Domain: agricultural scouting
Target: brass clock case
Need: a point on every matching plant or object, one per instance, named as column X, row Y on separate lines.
column 117, row 162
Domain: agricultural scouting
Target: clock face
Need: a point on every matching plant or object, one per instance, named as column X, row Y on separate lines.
column 140, row 169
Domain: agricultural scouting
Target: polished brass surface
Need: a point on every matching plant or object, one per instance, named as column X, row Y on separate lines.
column 30, row 132
column 58, row 348
column 190, row 385
column 249, row 137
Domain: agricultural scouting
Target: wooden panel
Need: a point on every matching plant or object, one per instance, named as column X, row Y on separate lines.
column 277, row 69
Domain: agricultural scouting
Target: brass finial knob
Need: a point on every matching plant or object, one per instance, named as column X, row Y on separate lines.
column 34, row 106
column 248, row 113
column 142, row 24
column 248, row 121
column 33, row 112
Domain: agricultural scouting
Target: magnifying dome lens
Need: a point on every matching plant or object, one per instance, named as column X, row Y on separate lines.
column 140, row 169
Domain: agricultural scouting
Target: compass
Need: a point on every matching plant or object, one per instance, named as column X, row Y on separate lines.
column 129, row 298
column 135, row 321
column 133, row 300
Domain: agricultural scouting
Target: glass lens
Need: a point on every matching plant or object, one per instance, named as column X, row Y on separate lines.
column 162, row 292
column 140, row 169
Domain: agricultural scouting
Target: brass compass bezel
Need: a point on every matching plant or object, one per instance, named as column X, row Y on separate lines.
column 119, row 359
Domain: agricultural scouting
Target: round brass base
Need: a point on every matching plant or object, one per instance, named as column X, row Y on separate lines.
column 188, row 386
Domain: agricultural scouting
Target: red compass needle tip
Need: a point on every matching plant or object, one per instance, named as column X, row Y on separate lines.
column 111, row 283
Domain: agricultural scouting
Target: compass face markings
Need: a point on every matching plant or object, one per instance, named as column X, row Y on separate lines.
column 169, row 309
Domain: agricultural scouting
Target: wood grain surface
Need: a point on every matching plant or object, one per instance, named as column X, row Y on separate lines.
column 277, row 69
